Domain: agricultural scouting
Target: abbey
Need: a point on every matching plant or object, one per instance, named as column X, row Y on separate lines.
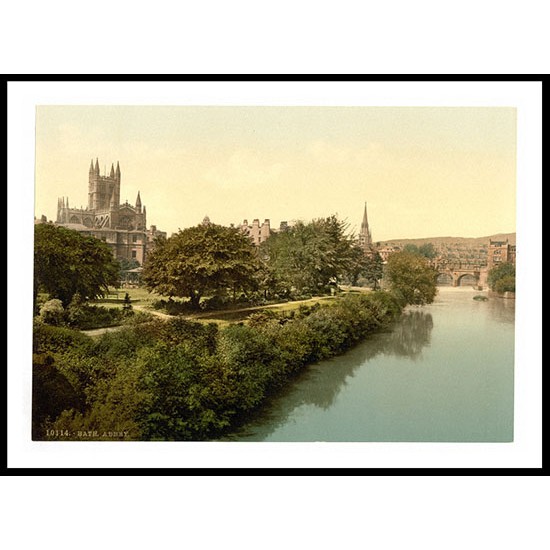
column 122, row 226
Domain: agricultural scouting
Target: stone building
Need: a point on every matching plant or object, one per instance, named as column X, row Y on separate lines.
column 257, row 233
column 260, row 233
column 386, row 251
column 122, row 226
column 500, row 252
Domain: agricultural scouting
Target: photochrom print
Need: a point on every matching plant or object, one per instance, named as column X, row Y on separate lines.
column 336, row 274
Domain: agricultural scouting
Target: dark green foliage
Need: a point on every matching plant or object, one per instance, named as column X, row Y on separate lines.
column 169, row 377
column 196, row 335
column 307, row 258
column 411, row 278
column 249, row 360
column 52, row 339
column 66, row 262
column 127, row 305
column 80, row 315
column 180, row 380
column 87, row 317
column 52, row 393
column 502, row 278
column 173, row 307
column 200, row 260
column 364, row 268
column 373, row 269
column 426, row 250
column 52, row 312
column 506, row 284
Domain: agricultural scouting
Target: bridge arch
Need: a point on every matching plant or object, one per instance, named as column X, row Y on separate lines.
column 444, row 279
column 467, row 279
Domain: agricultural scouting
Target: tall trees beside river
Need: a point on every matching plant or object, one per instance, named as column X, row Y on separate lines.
column 411, row 278
column 309, row 257
column 502, row 278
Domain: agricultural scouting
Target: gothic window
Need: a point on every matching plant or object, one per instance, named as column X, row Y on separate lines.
column 125, row 222
column 74, row 219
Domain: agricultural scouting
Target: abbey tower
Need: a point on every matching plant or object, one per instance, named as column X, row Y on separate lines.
column 122, row 226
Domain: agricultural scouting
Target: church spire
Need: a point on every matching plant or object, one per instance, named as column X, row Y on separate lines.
column 97, row 166
column 92, row 166
column 117, row 170
column 365, row 223
column 365, row 237
column 138, row 202
column 112, row 174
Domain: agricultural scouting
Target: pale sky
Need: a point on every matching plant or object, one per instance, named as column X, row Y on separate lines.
column 423, row 171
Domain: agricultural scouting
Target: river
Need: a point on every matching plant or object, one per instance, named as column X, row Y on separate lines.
column 443, row 372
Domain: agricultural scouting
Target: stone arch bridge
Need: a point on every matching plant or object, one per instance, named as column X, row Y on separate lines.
column 457, row 271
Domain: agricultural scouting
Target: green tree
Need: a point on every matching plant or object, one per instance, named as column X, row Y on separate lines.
column 374, row 269
column 357, row 265
column 200, row 260
column 502, row 278
column 368, row 266
column 426, row 250
column 506, row 284
column 310, row 256
column 411, row 278
column 66, row 262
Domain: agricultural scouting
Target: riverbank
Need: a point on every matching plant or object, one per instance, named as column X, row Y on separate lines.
column 181, row 380
column 441, row 373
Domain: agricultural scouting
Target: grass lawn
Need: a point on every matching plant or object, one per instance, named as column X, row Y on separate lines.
column 227, row 317
column 140, row 296
column 144, row 298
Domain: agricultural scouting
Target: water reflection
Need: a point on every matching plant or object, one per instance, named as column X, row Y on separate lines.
column 502, row 310
column 321, row 383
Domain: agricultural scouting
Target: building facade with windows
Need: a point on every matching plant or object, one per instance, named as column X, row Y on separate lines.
column 500, row 252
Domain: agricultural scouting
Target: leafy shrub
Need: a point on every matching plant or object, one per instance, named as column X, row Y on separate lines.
column 215, row 302
column 261, row 318
column 138, row 317
column 173, row 307
column 182, row 380
column 506, row 284
column 52, row 393
column 505, row 271
column 52, row 312
column 48, row 338
column 197, row 335
column 177, row 402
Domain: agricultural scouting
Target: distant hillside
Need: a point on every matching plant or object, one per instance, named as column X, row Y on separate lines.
column 473, row 242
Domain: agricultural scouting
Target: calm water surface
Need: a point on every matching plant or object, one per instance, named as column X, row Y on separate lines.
column 443, row 372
